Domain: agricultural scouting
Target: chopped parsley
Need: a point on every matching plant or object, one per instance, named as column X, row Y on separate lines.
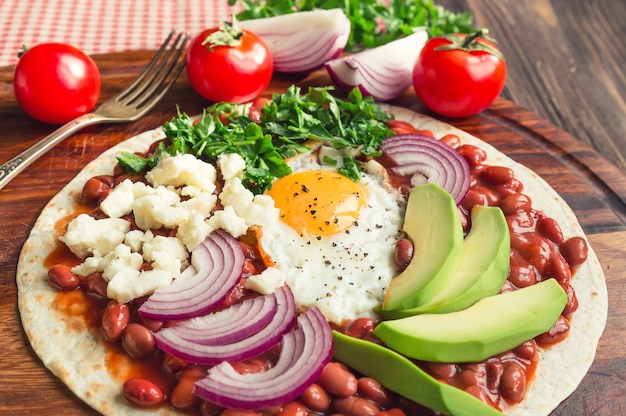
column 287, row 122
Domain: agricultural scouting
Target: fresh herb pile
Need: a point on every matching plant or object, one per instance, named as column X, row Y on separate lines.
column 287, row 122
column 374, row 22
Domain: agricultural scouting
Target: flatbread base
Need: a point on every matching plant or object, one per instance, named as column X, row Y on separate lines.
column 75, row 355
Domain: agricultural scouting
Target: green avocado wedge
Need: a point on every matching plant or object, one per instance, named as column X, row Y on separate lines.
column 400, row 375
column 492, row 325
column 433, row 225
column 482, row 271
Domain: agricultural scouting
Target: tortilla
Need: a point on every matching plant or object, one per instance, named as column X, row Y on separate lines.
column 74, row 354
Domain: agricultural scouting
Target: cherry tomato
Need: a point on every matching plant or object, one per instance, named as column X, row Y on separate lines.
column 229, row 64
column 459, row 75
column 56, row 82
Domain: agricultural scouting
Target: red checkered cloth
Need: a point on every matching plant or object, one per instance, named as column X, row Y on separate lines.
column 102, row 26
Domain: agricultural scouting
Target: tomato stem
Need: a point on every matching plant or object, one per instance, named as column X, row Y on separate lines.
column 471, row 38
column 471, row 43
column 229, row 34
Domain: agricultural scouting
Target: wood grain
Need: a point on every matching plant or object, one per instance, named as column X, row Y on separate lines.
column 594, row 187
column 565, row 62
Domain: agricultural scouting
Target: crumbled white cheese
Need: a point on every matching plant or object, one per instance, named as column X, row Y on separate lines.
column 231, row 165
column 267, row 281
column 130, row 284
column 254, row 209
column 202, row 204
column 228, row 220
column 159, row 210
column 86, row 235
column 119, row 259
column 183, row 170
column 193, row 231
column 165, row 253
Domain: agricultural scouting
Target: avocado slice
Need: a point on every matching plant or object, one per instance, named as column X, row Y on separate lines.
column 432, row 223
column 400, row 375
column 492, row 325
column 482, row 271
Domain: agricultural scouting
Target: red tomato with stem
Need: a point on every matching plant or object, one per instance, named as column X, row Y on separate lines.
column 229, row 64
column 56, row 82
column 459, row 75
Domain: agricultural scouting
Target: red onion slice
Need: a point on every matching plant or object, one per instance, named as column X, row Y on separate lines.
column 384, row 72
column 219, row 264
column 226, row 326
column 303, row 41
column 426, row 160
column 304, row 353
column 194, row 350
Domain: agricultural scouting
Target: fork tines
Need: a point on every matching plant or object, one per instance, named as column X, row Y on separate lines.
column 160, row 73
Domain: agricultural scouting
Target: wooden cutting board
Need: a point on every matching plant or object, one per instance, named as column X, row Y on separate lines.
column 594, row 188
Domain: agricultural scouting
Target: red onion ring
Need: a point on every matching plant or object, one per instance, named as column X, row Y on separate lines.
column 425, row 159
column 194, row 350
column 218, row 261
column 304, row 353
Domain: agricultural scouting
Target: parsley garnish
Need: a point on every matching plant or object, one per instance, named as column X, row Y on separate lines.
column 287, row 122
column 373, row 23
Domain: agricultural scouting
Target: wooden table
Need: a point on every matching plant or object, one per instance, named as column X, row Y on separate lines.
column 566, row 62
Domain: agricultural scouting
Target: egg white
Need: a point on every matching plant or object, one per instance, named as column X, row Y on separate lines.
column 344, row 275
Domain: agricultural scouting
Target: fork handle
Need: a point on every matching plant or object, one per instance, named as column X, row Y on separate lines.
column 13, row 167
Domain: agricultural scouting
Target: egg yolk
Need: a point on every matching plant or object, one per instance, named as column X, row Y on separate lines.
column 318, row 202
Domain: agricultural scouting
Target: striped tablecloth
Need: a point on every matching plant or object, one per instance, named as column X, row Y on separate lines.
column 101, row 26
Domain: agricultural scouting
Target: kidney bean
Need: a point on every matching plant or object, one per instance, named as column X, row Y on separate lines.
column 293, row 409
column 360, row 328
column 400, row 127
column 572, row 301
column 60, row 276
column 494, row 374
column 521, row 222
column 391, row 412
column 550, row 229
column 371, row 389
column 115, row 317
column 403, row 253
column 249, row 268
column 496, row 175
column 451, row 140
column 315, row 398
column 526, row 351
column 522, row 275
column 533, row 248
column 142, row 392
column 234, row 412
column 138, row 340
column 94, row 187
column 442, row 371
column 574, row 250
column 183, row 395
column 355, row 406
column 516, row 203
column 235, row 294
column 489, row 196
column 474, row 155
column 507, row 189
column 251, row 366
column 478, row 392
column 174, row 364
column 558, row 268
column 558, row 332
column 513, row 383
column 209, row 409
column 338, row 381
column 96, row 285
column 473, row 375
column 472, row 198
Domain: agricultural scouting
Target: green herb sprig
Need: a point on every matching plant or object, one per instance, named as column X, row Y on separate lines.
column 287, row 122
column 373, row 22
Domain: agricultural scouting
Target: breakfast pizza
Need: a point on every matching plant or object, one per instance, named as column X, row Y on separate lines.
column 311, row 255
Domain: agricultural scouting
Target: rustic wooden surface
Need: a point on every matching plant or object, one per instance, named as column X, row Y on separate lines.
column 566, row 63
column 594, row 188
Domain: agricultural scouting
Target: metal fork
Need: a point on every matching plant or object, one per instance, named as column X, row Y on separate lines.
column 128, row 105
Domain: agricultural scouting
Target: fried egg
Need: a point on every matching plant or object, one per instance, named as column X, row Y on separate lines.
column 336, row 238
